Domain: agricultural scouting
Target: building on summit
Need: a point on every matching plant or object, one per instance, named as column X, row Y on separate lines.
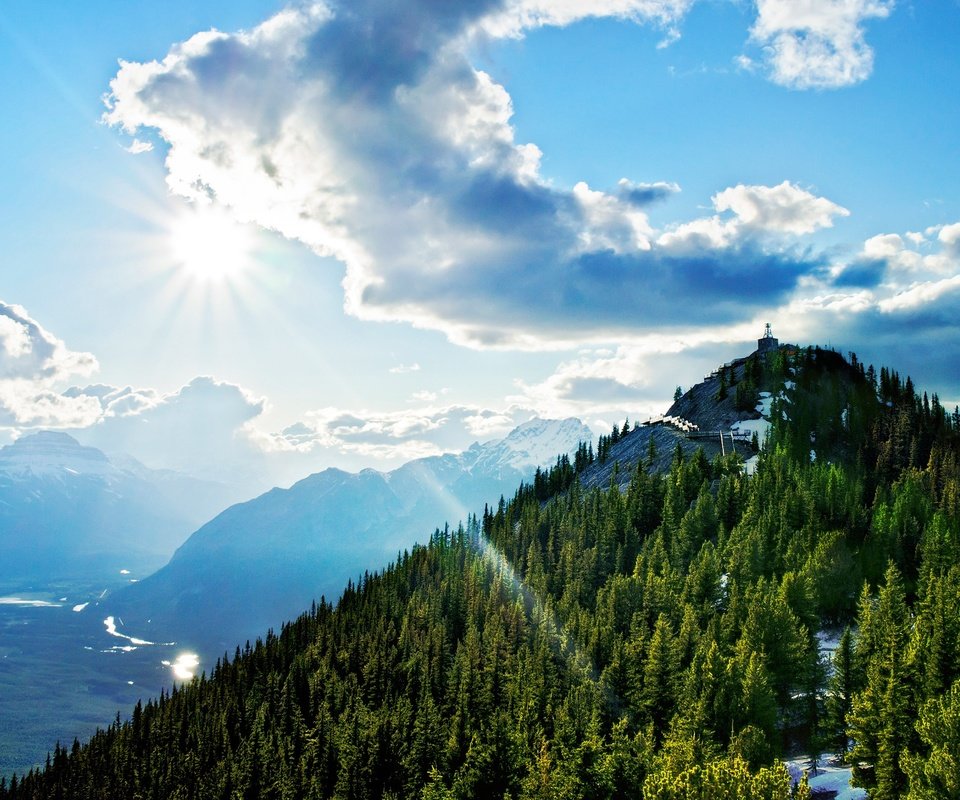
column 767, row 343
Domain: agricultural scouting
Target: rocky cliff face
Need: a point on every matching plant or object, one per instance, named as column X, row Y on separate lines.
column 699, row 405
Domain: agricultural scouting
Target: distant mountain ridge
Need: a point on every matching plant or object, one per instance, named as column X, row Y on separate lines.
column 264, row 561
column 572, row 642
column 52, row 453
column 67, row 510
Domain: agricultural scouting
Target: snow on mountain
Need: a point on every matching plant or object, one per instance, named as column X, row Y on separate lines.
column 52, row 453
column 67, row 510
column 533, row 444
column 261, row 562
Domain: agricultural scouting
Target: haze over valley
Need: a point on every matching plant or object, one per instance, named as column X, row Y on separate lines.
column 496, row 398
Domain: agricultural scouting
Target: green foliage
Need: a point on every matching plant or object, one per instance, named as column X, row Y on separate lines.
column 656, row 640
column 937, row 776
column 881, row 715
column 843, row 683
column 722, row 386
column 720, row 780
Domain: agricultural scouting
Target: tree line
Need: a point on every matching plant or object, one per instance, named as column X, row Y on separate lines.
column 657, row 641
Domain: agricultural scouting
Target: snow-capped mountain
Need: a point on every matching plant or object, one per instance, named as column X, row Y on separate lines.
column 533, row 444
column 53, row 454
column 66, row 510
column 261, row 562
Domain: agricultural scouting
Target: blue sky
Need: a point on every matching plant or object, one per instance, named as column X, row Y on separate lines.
column 343, row 235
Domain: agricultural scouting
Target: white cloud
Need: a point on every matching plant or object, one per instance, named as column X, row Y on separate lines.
column 424, row 396
column 28, row 351
column 910, row 259
column 202, row 428
column 520, row 15
column 26, row 405
column 138, row 146
column 949, row 236
column 609, row 223
column 891, row 248
column 32, row 362
column 643, row 194
column 782, row 210
column 402, row 369
column 367, row 134
column 785, row 208
column 391, row 437
column 920, row 295
column 817, row 44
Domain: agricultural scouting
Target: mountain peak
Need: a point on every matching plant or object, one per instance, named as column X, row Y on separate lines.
column 49, row 452
column 537, row 443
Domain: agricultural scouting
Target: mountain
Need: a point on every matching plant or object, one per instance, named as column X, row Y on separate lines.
column 669, row 640
column 263, row 561
column 69, row 511
column 735, row 399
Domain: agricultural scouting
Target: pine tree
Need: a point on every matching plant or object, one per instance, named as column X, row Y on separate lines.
column 659, row 693
column 881, row 715
column 840, row 692
column 936, row 776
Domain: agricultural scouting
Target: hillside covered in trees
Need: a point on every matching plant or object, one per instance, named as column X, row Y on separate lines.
column 657, row 640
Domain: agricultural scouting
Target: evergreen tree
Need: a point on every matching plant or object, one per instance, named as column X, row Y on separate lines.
column 840, row 695
column 881, row 715
column 936, row 775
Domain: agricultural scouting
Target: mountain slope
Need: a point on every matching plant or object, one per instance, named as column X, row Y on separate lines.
column 263, row 561
column 664, row 641
column 67, row 510
column 737, row 408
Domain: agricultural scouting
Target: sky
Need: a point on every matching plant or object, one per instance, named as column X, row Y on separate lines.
column 251, row 240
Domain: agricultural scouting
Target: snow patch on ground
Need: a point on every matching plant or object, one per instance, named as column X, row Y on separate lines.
column 829, row 777
column 756, row 426
column 751, row 426
column 766, row 399
column 828, row 640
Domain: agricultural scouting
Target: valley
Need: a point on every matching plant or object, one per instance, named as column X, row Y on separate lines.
column 672, row 634
column 62, row 675
column 76, row 652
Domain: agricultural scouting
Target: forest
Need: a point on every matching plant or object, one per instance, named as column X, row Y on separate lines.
column 657, row 641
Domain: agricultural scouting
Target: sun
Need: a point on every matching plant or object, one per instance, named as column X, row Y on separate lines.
column 209, row 247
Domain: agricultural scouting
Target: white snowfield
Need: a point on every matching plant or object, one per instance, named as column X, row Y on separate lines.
column 536, row 443
column 760, row 426
column 764, row 407
column 829, row 777
column 53, row 454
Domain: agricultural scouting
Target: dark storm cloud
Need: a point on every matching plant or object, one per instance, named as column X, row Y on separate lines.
column 863, row 273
